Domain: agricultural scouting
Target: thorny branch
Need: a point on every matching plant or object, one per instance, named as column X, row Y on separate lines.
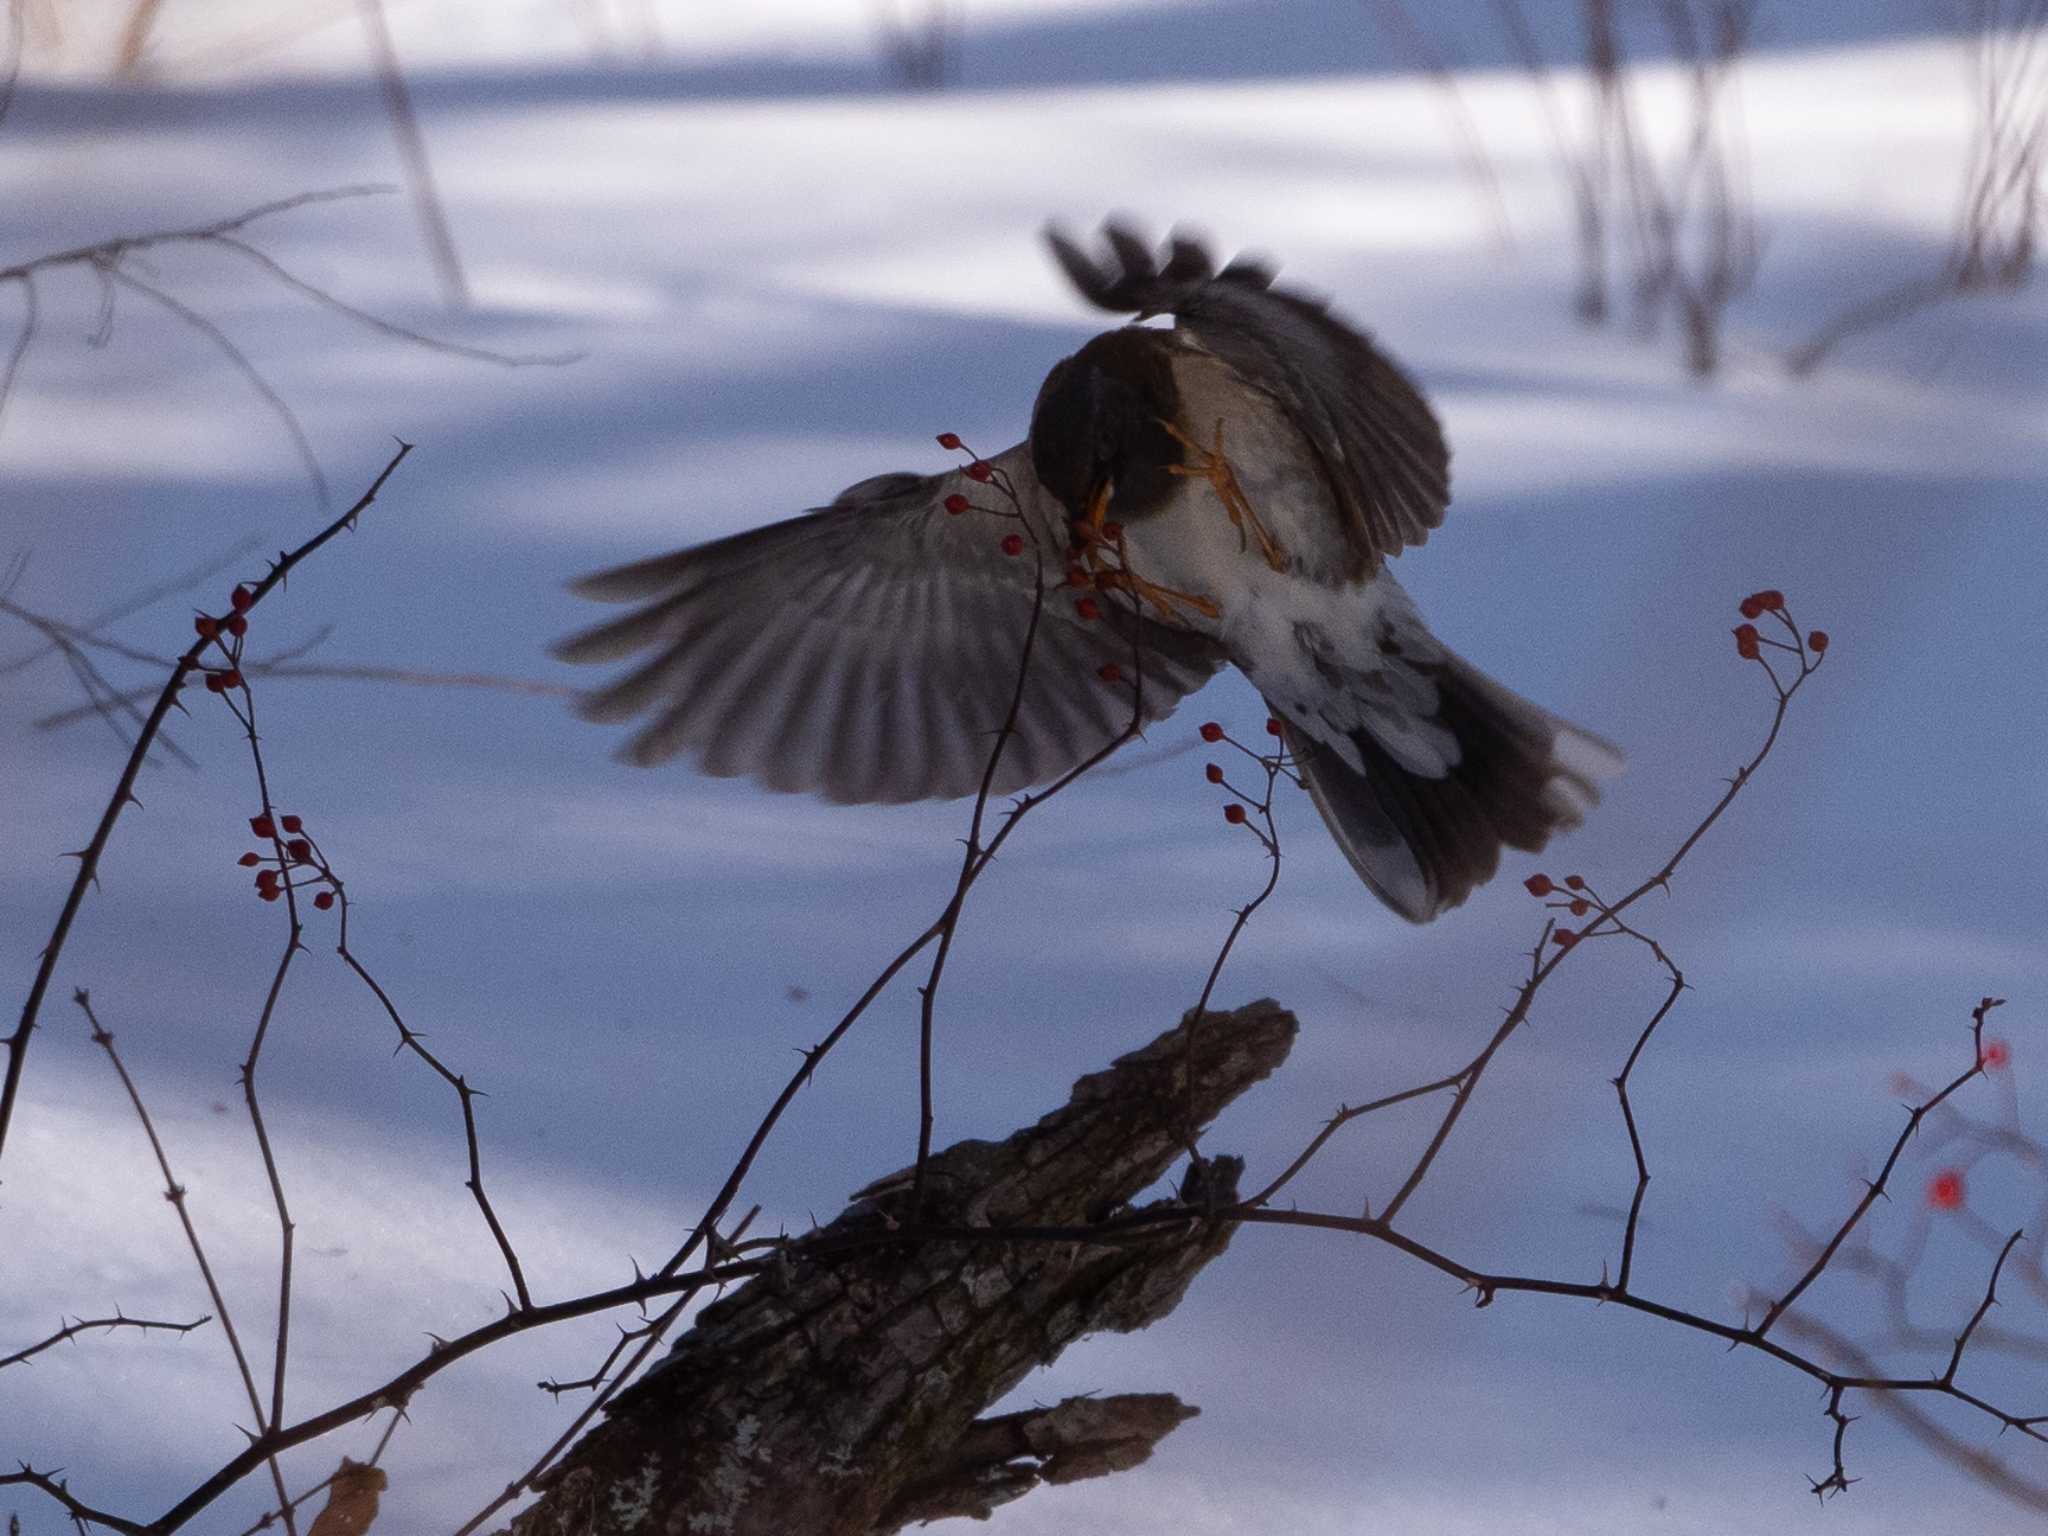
column 174, row 1192
column 78, row 1325
column 124, row 793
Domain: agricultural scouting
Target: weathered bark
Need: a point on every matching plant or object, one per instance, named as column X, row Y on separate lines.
column 838, row 1397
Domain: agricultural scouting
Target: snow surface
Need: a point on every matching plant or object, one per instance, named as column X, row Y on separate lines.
column 782, row 277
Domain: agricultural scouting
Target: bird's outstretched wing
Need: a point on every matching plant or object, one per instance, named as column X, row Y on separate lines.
column 869, row 650
column 1378, row 442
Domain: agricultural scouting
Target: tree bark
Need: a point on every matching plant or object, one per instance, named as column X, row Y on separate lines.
column 839, row 1396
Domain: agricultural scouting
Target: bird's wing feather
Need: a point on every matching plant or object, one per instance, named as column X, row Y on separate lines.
column 869, row 650
column 1377, row 440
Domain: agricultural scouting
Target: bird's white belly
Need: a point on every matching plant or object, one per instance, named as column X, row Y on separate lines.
column 1312, row 647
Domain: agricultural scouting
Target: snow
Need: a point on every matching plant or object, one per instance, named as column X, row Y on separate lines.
column 782, row 277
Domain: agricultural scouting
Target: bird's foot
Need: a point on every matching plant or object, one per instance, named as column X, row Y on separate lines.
column 1165, row 599
column 1210, row 464
column 1097, row 539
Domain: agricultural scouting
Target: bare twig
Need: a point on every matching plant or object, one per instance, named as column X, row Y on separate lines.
column 1396, row 18
column 23, row 339
column 124, row 794
column 1981, row 1464
column 102, row 699
column 239, row 360
column 79, row 1325
column 87, row 632
column 409, row 1039
column 1275, row 767
column 412, row 149
column 918, row 52
column 340, row 672
column 174, row 1192
column 135, row 37
column 109, row 263
column 2000, row 208
column 10, row 55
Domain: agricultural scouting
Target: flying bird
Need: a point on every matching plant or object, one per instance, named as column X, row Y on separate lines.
column 1227, row 490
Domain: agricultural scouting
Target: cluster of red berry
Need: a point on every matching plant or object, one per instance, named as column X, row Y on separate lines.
column 1578, row 905
column 287, row 834
column 1749, row 643
column 234, row 625
column 1012, row 544
column 1213, row 732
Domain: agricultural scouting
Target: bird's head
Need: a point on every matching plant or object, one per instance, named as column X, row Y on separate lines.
column 1098, row 425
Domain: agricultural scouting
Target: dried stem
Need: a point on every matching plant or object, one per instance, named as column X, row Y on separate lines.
column 174, row 1192
column 124, row 794
column 79, row 1325
column 412, row 149
column 2000, row 208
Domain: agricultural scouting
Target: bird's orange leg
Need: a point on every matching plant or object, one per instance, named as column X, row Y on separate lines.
column 1211, row 465
column 1097, row 537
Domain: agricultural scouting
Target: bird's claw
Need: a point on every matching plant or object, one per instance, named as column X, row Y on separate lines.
column 1212, row 465
column 1096, row 538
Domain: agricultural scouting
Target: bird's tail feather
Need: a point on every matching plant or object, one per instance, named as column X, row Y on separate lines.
column 1423, row 843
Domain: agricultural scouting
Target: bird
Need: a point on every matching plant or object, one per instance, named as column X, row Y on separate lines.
column 1227, row 489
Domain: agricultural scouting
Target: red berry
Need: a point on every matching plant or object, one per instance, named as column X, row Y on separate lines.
column 1013, row 544
column 1213, row 773
column 949, row 439
column 1110, row 672
column 1113, row 531
column 1769, row 600
column 324, row 900
column 209, row 629
column 1272, row 726
column 1211, row 731
column 1746, row 641
column 1565, row 938
column 1751, row 608
column 1817, row 641
column 1087, row 609
column 237, row 626
column 291, row 823
column 241, row 599
column 1574, row 883
column 956, row 504
column 299, row 848
column 978, row 471
column 265, row 879
column 270, row 893
column 1945, row 1190
column 231, row 678
column 263, row 826
column 1581, row 907
column 214, row 683
column 1234, row 814
column 1997, row 1056
column 1539, row 885
column 250, row 860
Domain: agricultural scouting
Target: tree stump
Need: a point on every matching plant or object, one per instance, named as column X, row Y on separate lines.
column 841, row 1394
